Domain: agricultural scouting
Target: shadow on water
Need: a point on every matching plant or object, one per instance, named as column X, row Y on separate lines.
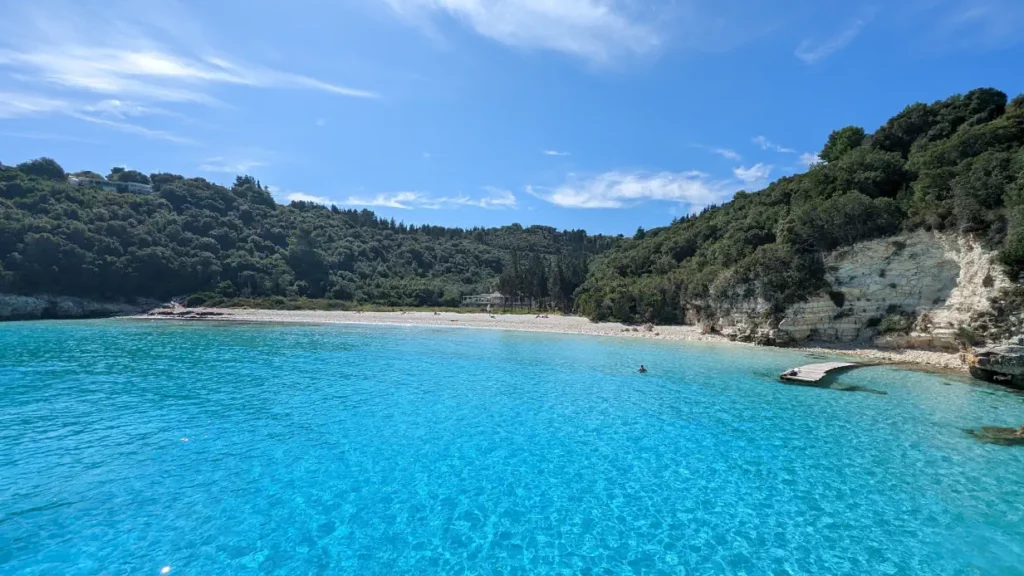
column 829, row 384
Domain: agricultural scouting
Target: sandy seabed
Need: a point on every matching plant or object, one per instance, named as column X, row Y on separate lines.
column 560, row 325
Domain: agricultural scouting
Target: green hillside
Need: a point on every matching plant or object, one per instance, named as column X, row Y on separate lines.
column 955, row 165
column 190, row 236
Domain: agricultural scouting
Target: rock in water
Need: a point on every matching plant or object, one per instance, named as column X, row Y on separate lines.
column 999, row 364
column 998, row 435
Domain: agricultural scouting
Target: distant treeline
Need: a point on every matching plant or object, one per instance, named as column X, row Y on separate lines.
column 955, row 166
column 191, row 236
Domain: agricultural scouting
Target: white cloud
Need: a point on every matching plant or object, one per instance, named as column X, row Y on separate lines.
column 232, row 166
column 596, row 30
column 48, row 136
column 727, row 153
column 811, row 52
column 16, row 105
column 400, row 200
column 623, row 189
column 757, row 173
column 122, row 109
column 149, row 73
column 767, row 144
column 133, row 129
column 554, row 153
column 303, row 197
column 495, row 199
column 74, row 51
column 808, row 159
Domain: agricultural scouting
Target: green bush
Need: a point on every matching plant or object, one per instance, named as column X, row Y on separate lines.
column 896, row 324
column 198, row 300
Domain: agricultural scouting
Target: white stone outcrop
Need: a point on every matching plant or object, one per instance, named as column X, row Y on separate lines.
column 940, row 280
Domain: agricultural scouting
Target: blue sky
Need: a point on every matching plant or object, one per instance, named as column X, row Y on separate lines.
column 596, row 114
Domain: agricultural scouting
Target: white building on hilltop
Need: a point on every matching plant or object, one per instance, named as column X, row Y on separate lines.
column 133, row 187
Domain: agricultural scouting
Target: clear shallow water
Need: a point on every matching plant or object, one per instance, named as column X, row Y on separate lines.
column 377, row 450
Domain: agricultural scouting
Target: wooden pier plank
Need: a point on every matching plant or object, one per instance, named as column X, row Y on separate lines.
column 815, row 372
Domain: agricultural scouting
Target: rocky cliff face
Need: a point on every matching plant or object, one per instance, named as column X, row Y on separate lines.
column 1001, row 364
column 13, row 307
column 911, row 291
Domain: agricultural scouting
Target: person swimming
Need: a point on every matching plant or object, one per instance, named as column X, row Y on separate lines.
column 642, row 370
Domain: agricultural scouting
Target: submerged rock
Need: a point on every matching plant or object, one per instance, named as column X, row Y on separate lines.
column 998, row 364
column 999, row 435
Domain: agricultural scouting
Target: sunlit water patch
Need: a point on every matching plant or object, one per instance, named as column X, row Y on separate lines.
column 131, row 447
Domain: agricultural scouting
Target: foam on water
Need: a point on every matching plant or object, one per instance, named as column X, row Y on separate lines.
column 131, row 447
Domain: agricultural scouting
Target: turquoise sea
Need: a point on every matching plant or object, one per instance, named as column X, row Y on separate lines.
column 135, row 447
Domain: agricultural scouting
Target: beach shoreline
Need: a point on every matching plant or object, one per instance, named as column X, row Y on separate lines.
column 550, row 324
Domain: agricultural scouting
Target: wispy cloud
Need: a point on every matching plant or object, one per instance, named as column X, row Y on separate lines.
column 107, row 62
column 303, row 197
column 48, row 136
column 757, row 173
column 975, row 24
column 120, row 109
column 321, row 122
column 150, row 73
column 726, row 153
column 808, row 159
column 595, row 30
column 554, row 153
column 400, row 200
column 811, row 51
column 767, row 144
column 495, row 199
column 133, row 129
column 230, row 166
column 17, row 105
column 623, row 189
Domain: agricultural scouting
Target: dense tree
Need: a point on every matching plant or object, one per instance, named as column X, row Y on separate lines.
column 45, row 168
column 955, row 165
column 118, row 174
column 192, row 236
column 842, row 141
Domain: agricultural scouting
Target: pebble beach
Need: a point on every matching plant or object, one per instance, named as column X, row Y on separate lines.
column 561, row 325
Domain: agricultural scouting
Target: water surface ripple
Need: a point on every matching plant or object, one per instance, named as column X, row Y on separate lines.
column 128, row 446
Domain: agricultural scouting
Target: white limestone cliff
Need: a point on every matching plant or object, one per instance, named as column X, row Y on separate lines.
column 938, row 281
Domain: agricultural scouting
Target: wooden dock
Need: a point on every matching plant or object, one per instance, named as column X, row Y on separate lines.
column 815, row 372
